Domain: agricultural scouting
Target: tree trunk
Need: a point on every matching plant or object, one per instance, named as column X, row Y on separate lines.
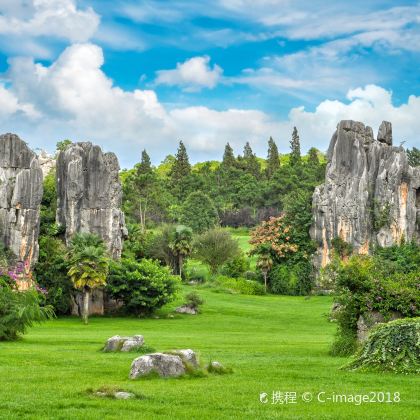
column 85, row 313
column 265, row 281
column 180, row 264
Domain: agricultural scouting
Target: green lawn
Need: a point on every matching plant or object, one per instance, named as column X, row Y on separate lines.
column 273, row 343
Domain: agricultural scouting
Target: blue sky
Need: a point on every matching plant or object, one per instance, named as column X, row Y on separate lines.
column 130, row 75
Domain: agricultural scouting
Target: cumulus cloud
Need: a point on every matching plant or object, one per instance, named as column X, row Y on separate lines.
column 192, row 75
column 24, row 25
column 74, row 98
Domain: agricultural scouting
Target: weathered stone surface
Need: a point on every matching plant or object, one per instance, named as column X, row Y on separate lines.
column 46, row 162
column 96, row 303
column 123, row 395
column 186, row 309
column 366, row 322
column 126, row 344
column 371, row 194
column 165, row 365
column 188, row 356
column 89, row 194
column 20, row 198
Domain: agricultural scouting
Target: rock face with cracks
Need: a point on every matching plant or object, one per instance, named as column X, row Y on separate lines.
column 20, row 198
column 371, row 195
column 89, row 194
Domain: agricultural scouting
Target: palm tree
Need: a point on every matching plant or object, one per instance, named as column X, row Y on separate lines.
column 265, row 263
column 88, row 262
column 181, row 245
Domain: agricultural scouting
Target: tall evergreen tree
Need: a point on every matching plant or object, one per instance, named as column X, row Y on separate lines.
column 228, row 157
column 273, row 159
column 145, row 166
column 181, row 166
column 295, row 157
column 250, row 161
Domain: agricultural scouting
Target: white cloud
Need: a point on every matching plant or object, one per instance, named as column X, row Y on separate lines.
column 192, row 75
column 73, row 98
column 24, row 24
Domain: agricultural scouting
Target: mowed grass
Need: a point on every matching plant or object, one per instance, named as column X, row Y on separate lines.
column 273, row 343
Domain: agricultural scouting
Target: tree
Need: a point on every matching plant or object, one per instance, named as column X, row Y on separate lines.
column 295, row 157
column 264, row 262
column 181, row 166
column 63, row 145
column 313, row 158
column 273, row 159
column 250, row 161
column 228, row 157
column 88, row 266
column 145, row 166
column 215, row 247
column 199, row 212
column 181, row 245
column 414, row 156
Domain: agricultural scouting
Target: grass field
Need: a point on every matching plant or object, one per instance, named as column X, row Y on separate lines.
column 273, row 343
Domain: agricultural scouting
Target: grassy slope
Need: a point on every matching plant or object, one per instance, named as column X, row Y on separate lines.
column 271, row 342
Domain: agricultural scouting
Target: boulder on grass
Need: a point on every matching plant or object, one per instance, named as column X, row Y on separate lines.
column 186, row 309
column 165, row 365
column 118, row 343
column 187, row 356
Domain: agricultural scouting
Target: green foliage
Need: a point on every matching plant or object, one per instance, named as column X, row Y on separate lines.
column 63, row 145
column 229, row 160
column 137, row 244
column 237, row 266
column 295, row 157
column 51, row 274
column 365, row 284
column 381, row 215
column 392, row 347
column 341, row 247
column 199, row 212
column 273, row 159
column 403, row 258
column 19, row 310
column 413, row 156
column 240, row 285
column 193, row 300
column 292, row 279
column 142, row 286
column 215, row 247
column 88, row 261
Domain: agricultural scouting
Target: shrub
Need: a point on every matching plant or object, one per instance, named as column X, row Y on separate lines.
column 236, row 267
column 19, row 310
column 240, row 285
column 393, row 347
column 142, row 286
column 292, row 279
column 215, row 247
column 51, row 273
column 193, row 300
column 363, row 285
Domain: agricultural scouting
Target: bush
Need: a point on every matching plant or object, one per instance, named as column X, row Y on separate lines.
column 215, row 247
column 392, row 347
column 193, row 300
column 19, row 310
column 363, row 284
column 236, row 267
column 51, row 273
column 142, row 286
column 240, row 285
column 292, row 279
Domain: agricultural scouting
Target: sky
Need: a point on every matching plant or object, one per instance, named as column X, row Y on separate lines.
column 132, row 75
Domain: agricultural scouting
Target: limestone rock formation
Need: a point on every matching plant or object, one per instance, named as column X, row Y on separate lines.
column 46, row 162
column 89, row 194
column 371, row 194
column 20, row 198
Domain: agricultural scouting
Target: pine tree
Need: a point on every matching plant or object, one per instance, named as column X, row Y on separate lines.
column 295, row 158
column 181, row 166
column 228, row 157
column 251, row 164
column 145, row 166
column 273, row 159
